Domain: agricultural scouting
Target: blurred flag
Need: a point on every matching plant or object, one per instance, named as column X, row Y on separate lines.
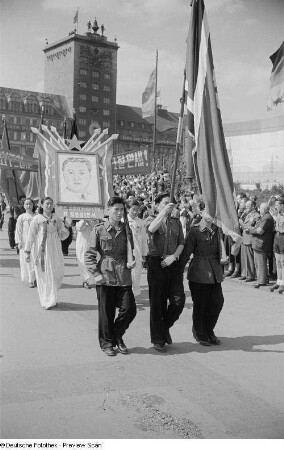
column 276, row 94
column 203, row 119
column 148, row 97
column 9, row 179
column 75, row 20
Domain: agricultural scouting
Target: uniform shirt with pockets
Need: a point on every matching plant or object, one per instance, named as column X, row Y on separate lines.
column 156, row 240
column 111, row 244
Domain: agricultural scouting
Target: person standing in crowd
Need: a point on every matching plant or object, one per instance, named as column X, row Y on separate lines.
column 2, row 211
column 66, row 243
column 45, row 233
column 205, row 275
column 247, row 260
column 140, row 251
column 166, row 242
column 262, row 235
column 112, row 275
column 278, row 246
column 12, row 227
column 21, row 234
column 84, row 230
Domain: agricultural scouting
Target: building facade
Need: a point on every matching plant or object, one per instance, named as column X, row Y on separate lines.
column 26, row 109
column 83, row 68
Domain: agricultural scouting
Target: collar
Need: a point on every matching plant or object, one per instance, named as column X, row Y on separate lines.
column 109, row 226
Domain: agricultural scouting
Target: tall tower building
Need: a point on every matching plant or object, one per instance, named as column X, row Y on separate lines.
column 84, row 69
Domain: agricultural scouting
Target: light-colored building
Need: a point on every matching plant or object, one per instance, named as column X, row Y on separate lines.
column 256, row 151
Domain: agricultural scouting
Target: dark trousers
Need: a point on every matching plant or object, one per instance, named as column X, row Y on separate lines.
column 208, row 302
column 165, row 284
column 11, row 231
column 110, row 298
column 1, row 220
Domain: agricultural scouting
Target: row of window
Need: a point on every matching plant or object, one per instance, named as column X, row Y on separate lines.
column 122, row 123
column 95, row 74
column 94, row 98
column 21, row 136
column 83, row 109
column 18, row 106
column 32, row 122
column 94, row 86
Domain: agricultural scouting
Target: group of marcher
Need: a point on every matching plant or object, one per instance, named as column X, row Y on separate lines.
column 164, row 238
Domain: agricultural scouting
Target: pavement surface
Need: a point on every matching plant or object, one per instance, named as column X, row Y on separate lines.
column 56, row 382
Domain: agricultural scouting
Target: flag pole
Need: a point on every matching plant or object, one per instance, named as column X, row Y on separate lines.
column 178, row 141
column 155, row 111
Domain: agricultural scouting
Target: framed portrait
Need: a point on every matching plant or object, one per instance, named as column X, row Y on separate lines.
column 77, row 179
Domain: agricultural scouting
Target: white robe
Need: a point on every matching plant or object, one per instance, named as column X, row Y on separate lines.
column 50, row 279
column 84, row 231
column 21, row 234
column 140, row 249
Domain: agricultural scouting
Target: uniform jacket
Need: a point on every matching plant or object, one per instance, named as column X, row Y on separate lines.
column 262, row 233
column 156, row 240
column 111, row 245
column 205, row 266
column 247, row 222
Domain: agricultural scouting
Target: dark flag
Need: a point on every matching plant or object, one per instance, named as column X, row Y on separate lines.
column 211, row 163
column 276, row 94
column 9, row 179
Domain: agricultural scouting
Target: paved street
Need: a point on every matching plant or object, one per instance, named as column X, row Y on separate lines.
column 57, row 383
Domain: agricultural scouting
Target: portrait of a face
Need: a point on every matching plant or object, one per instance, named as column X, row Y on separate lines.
column 78, row 179
column 77, row 174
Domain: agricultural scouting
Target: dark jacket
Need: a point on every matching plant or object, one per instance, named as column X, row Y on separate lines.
column 262, row 233
column 205, row 266
column 111, row 244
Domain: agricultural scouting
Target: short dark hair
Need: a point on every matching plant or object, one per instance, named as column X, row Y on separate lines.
column 31, row 200
column 132, row 202
column 114, row 200
column 160, row 197
column 40, row 209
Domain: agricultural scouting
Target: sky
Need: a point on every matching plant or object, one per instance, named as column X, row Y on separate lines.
column 244, row 33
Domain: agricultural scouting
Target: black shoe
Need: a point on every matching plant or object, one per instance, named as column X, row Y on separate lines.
column 204, row 342
column 242, row 278
column 121, row 347
column 249, row 280
column 35, row 283
column 168, row 337
column 229, row 273
column 235, row 275
column 275, row 286
column 109, row 351
column 257, row 285
column 160, row 348
column 214, row 340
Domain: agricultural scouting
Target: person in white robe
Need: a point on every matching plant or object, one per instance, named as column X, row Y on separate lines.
column 84, row 230
column 21, row 234
column 45, row 233
column 140, row 251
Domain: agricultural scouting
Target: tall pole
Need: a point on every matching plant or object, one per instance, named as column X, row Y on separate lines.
column 9, row 148
column 155, row 111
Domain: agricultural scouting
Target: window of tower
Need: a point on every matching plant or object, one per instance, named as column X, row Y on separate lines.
column 83, row 72
column 106, row 100
column 82, row 109
column 82, row 96
column 107, row 76
column 95, row 74
column 106, row 124
column 106, row 88
column 95, row 87
column 106, row 112
column 95, row 99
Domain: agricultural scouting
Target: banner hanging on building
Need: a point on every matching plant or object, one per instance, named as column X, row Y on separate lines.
column 131, row 162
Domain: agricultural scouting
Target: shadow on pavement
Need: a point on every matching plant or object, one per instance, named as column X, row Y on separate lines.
column 70, row 286
column 244, row 343
column 10, row 262
column 75, row 307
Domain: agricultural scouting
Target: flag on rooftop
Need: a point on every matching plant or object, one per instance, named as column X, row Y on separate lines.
column 148, row 97
column 211, row 163
column 75, row 20
column 276, row 94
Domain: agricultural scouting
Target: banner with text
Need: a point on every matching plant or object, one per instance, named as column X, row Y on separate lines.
column 134, row 162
